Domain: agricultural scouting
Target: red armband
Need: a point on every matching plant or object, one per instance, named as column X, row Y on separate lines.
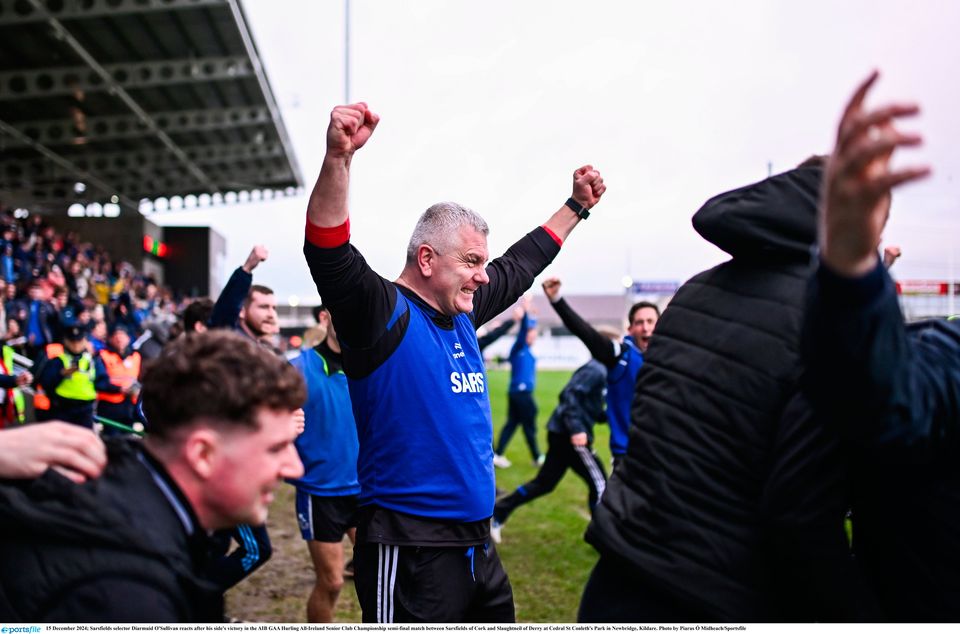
column 555, row 237
column 328, row 237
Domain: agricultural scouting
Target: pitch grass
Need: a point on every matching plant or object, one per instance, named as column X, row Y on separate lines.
column 543, row 549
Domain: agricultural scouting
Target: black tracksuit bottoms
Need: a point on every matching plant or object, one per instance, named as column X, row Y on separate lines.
column 561, row 455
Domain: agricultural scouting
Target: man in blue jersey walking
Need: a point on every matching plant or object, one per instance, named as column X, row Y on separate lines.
column 418, row 388
column 622, row 358
column 327, row 492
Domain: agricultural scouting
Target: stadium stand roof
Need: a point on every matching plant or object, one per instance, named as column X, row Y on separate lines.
column 126, row 101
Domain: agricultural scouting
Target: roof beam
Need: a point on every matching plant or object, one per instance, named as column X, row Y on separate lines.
column 61, row 33
column 62, row 131
column 236, row 180
column 13, row 12
column 106, row 163
column 81, row 175
column 120, row 176
column 24, row 84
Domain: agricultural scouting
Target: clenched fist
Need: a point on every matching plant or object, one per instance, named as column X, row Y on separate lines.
column 588, row 186
column 350, row 128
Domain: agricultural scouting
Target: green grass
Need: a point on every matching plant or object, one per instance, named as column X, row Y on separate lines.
column 543, row 549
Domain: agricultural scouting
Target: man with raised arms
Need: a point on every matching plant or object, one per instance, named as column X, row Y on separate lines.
column 418, row 388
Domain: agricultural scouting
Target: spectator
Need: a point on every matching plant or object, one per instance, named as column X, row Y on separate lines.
column 72, row 379
column 41, row 320
column 12, row 404
column 123, row 370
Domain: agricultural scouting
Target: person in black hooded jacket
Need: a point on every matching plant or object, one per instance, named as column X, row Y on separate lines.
column 729, row 504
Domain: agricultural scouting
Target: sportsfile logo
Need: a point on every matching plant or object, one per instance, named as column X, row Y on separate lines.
column 27, row 629
column 460, row 354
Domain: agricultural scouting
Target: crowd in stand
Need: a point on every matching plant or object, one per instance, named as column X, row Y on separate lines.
column 51, row 281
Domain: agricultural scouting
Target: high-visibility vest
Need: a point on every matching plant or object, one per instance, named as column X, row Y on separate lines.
column 122, row 372
column 14, row 395
column 40, row 399
column 79, row 385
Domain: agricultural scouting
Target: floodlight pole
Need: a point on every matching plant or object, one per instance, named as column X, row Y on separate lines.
column 346, row 51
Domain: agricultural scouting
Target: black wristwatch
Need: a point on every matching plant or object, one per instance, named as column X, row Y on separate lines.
column 578, row 209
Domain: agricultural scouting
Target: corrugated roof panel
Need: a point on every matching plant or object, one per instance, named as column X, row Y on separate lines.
column 153, row 97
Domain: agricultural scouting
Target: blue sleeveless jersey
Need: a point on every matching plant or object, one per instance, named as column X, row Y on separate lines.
column 423, row 419
column 621, row 381
column 328, row 445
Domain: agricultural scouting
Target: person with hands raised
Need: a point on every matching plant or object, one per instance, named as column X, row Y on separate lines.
column 891, row 390
column 622, row 359
column 418, row 387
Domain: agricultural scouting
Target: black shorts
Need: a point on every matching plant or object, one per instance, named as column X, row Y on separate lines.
column 325, row 519
column 421, row 584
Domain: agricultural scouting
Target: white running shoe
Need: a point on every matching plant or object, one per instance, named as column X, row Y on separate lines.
column 495, row 531
column 501, row 462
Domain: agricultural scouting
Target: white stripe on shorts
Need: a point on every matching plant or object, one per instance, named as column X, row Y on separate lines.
column 387, row 558
column 588, row 459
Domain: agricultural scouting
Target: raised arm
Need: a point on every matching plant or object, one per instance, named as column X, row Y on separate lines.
column 520, row 342
column 360, row 301
column 859, row 180
column 513, row 273
column 600, row 347
column 226, row 311
column 891, row 392
column 350, row 128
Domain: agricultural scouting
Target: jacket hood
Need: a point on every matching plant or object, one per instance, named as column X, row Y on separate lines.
column 775, row 218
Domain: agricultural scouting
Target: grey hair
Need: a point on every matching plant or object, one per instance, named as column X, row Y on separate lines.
column 439, row 224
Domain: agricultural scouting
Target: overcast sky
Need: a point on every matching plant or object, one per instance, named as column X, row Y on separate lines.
column 494, row 104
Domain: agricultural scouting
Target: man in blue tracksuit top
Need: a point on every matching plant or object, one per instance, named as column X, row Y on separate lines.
column 418, row 388
column 521, row 407
column 623, row 359
column 327, row 493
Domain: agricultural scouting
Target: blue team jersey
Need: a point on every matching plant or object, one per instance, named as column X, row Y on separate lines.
column 523, row 365
column 423, row 419
column 621, row 381
column 328, row 445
